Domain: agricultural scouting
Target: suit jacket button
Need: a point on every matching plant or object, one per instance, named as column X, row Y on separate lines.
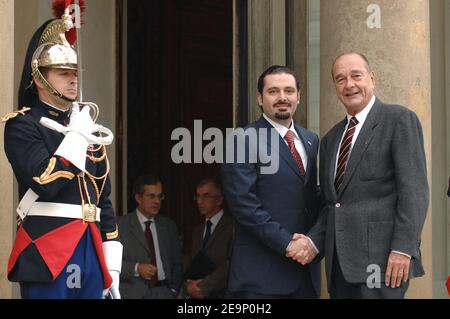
column 338, row 205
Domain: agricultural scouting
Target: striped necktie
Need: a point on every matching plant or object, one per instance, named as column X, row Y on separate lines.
column 344, row 152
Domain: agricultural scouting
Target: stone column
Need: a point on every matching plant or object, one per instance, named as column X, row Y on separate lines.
column 394, row 35
column 7, row 105
column 99, row 77
column 297, row 51
column 266, row 44
column 25, row 10
column 440, row 100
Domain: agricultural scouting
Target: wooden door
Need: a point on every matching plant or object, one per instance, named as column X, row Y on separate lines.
column 179, row 70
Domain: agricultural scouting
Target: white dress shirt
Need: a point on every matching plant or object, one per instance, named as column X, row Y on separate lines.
column 282, row 130
column 361, row 117
column 142, row 219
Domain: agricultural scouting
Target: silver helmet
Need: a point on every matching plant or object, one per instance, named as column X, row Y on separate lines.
column 54, row 51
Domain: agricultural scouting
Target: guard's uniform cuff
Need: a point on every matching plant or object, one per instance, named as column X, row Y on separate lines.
column 112, row 251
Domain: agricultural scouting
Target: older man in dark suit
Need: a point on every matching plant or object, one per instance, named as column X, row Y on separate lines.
column 151, row 267
column 374, row 179
column 211, row 244
column 271, row 207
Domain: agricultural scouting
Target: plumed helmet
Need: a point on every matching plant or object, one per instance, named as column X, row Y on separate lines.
column 48, row 48
column 54, row 52
column 56, row 56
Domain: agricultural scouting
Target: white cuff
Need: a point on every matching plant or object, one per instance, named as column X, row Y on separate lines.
column 312, row 244
column 400, row 253
column 136, row 272
column 112, row 250
column 73, row 148
column 289, row 245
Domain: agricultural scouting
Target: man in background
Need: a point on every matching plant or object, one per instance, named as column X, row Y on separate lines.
column 211, row 239
column 151, row 267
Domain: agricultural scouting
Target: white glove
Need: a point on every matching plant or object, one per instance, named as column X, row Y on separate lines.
column 113, row 291
column 74, row 111
column 112, row 250
column 82, row 123
column 74, row 145
column 73, row 148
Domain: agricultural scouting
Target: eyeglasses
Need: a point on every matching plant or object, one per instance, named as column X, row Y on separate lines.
column 155, row 196
column 204, row 196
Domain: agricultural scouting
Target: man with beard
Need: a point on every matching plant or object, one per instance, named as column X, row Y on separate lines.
column 271, row 209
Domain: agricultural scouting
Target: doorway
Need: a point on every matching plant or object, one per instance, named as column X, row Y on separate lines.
column 179, row 69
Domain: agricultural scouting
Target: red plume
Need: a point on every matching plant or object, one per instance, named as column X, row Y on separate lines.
column 59, row 6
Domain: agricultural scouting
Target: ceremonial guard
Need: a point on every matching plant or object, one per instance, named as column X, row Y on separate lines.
column 67, row 243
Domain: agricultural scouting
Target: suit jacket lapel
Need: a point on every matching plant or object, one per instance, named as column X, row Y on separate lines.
column 219, row 228
column 197, row 238
column 307, row 144
column 282, row 149
column 162, row 241
column 136, row 230
column 361, row 143
column 332, row 155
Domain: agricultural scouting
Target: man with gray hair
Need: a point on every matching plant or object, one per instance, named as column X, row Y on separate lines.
column 373, row 178
column 207, row 273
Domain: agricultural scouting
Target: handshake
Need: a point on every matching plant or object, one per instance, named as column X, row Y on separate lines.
column 301, row 249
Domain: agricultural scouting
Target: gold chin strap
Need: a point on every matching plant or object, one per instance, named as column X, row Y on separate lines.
column 39, row 77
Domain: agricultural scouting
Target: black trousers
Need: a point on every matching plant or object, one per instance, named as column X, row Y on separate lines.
column 341, row 289
column 305, row 291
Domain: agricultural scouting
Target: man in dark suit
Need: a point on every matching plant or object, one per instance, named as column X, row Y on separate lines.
column 270, row 208
column 374, row 180
column 151, row 266
column 212, row 239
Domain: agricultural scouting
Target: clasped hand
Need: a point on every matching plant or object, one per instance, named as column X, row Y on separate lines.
column 147, row 271
column 193, row 288
column 300, row 249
